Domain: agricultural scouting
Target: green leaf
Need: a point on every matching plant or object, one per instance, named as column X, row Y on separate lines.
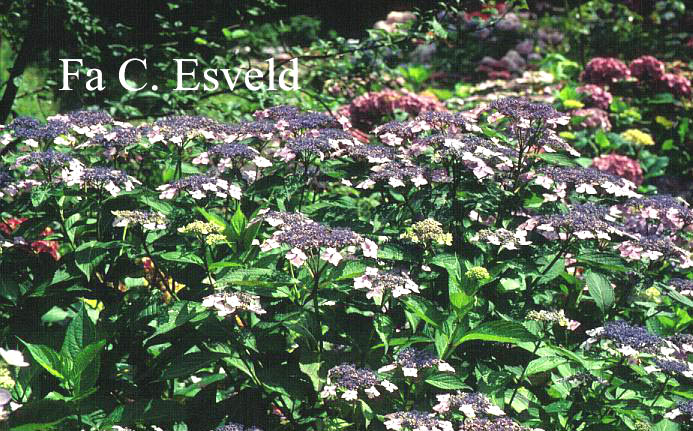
column 211, row 217
column 310, row 366
column 439, row 30
column 391, row 252
column 238, row 222
column 604, row 261
column 189, row 364
column 247, row 368
column 88, row 256
column 366, row 412
column 441, row 342
column 600, row 290
column 557, row 159
column 666, row 425
column 235, row 34
column 602, row 140
column 255, row 277
column 501, row 331
column 39, row 415
column 182, row 257
column 46, row 357
column 424, row 309
column 461, row 290
column 39, row 195
column 178, row 314
column 510, row 283
column 86, row 367
column 683, row 129
column 384, row 327
column 680, row 298
column 546, row 363
column 80, row 333
column 149, row 411
column 70, row 225
column 522, row 400
column 157, row 204
column 553, row 272
column 446, row 381
column 87, row 356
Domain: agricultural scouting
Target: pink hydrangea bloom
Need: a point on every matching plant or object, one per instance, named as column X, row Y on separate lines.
column 604, row 70
column 678, row 85
column 596, row 96
column 367, row 110
column 622, row 166
column 594, row 119
column 647, row 68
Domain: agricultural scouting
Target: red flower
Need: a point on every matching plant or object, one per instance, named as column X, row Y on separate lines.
column 367, row 110
column 647, row 68
column 678, row 85
column 604, row 70
column 44, row 246
column 11, row 224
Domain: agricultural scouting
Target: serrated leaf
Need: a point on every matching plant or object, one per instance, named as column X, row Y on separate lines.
column 546, row 363
column 88, row 256
column 310, row 365
column 149, row 411
column 680, row 298
column 446, row 381
column 665, row 425
column 384, row 327
column 501, row 331
column 189, row 364
column 86, row 368
column 80, row 333
column 604, row 261
column 391, row 252
column 46, row 357
column 39, row 415
column 178, row 314
column 600, row 290
column 247, row 368
column 238, row 222
column 182, row 257
column 557, row 159
column 424, row 309
column 439, row 30
column 39, row 195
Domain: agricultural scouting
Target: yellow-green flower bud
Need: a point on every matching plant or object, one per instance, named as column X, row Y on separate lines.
column 653, row 294
column 638, row 137
column 215, row 238
column 427, row 231
column 477, row 273
column 6, row 380
column 201, row 228
column 573, row 104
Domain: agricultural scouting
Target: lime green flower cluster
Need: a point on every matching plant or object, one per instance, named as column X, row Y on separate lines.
column 642, row 426
column 215, row 238
column 6, row 380
column 573, row 104
column 210, row 232
column 553, row 316
column 477, row 273
column 427, row 231
column 638, row 137
column 652, row 294
column 201, row 228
